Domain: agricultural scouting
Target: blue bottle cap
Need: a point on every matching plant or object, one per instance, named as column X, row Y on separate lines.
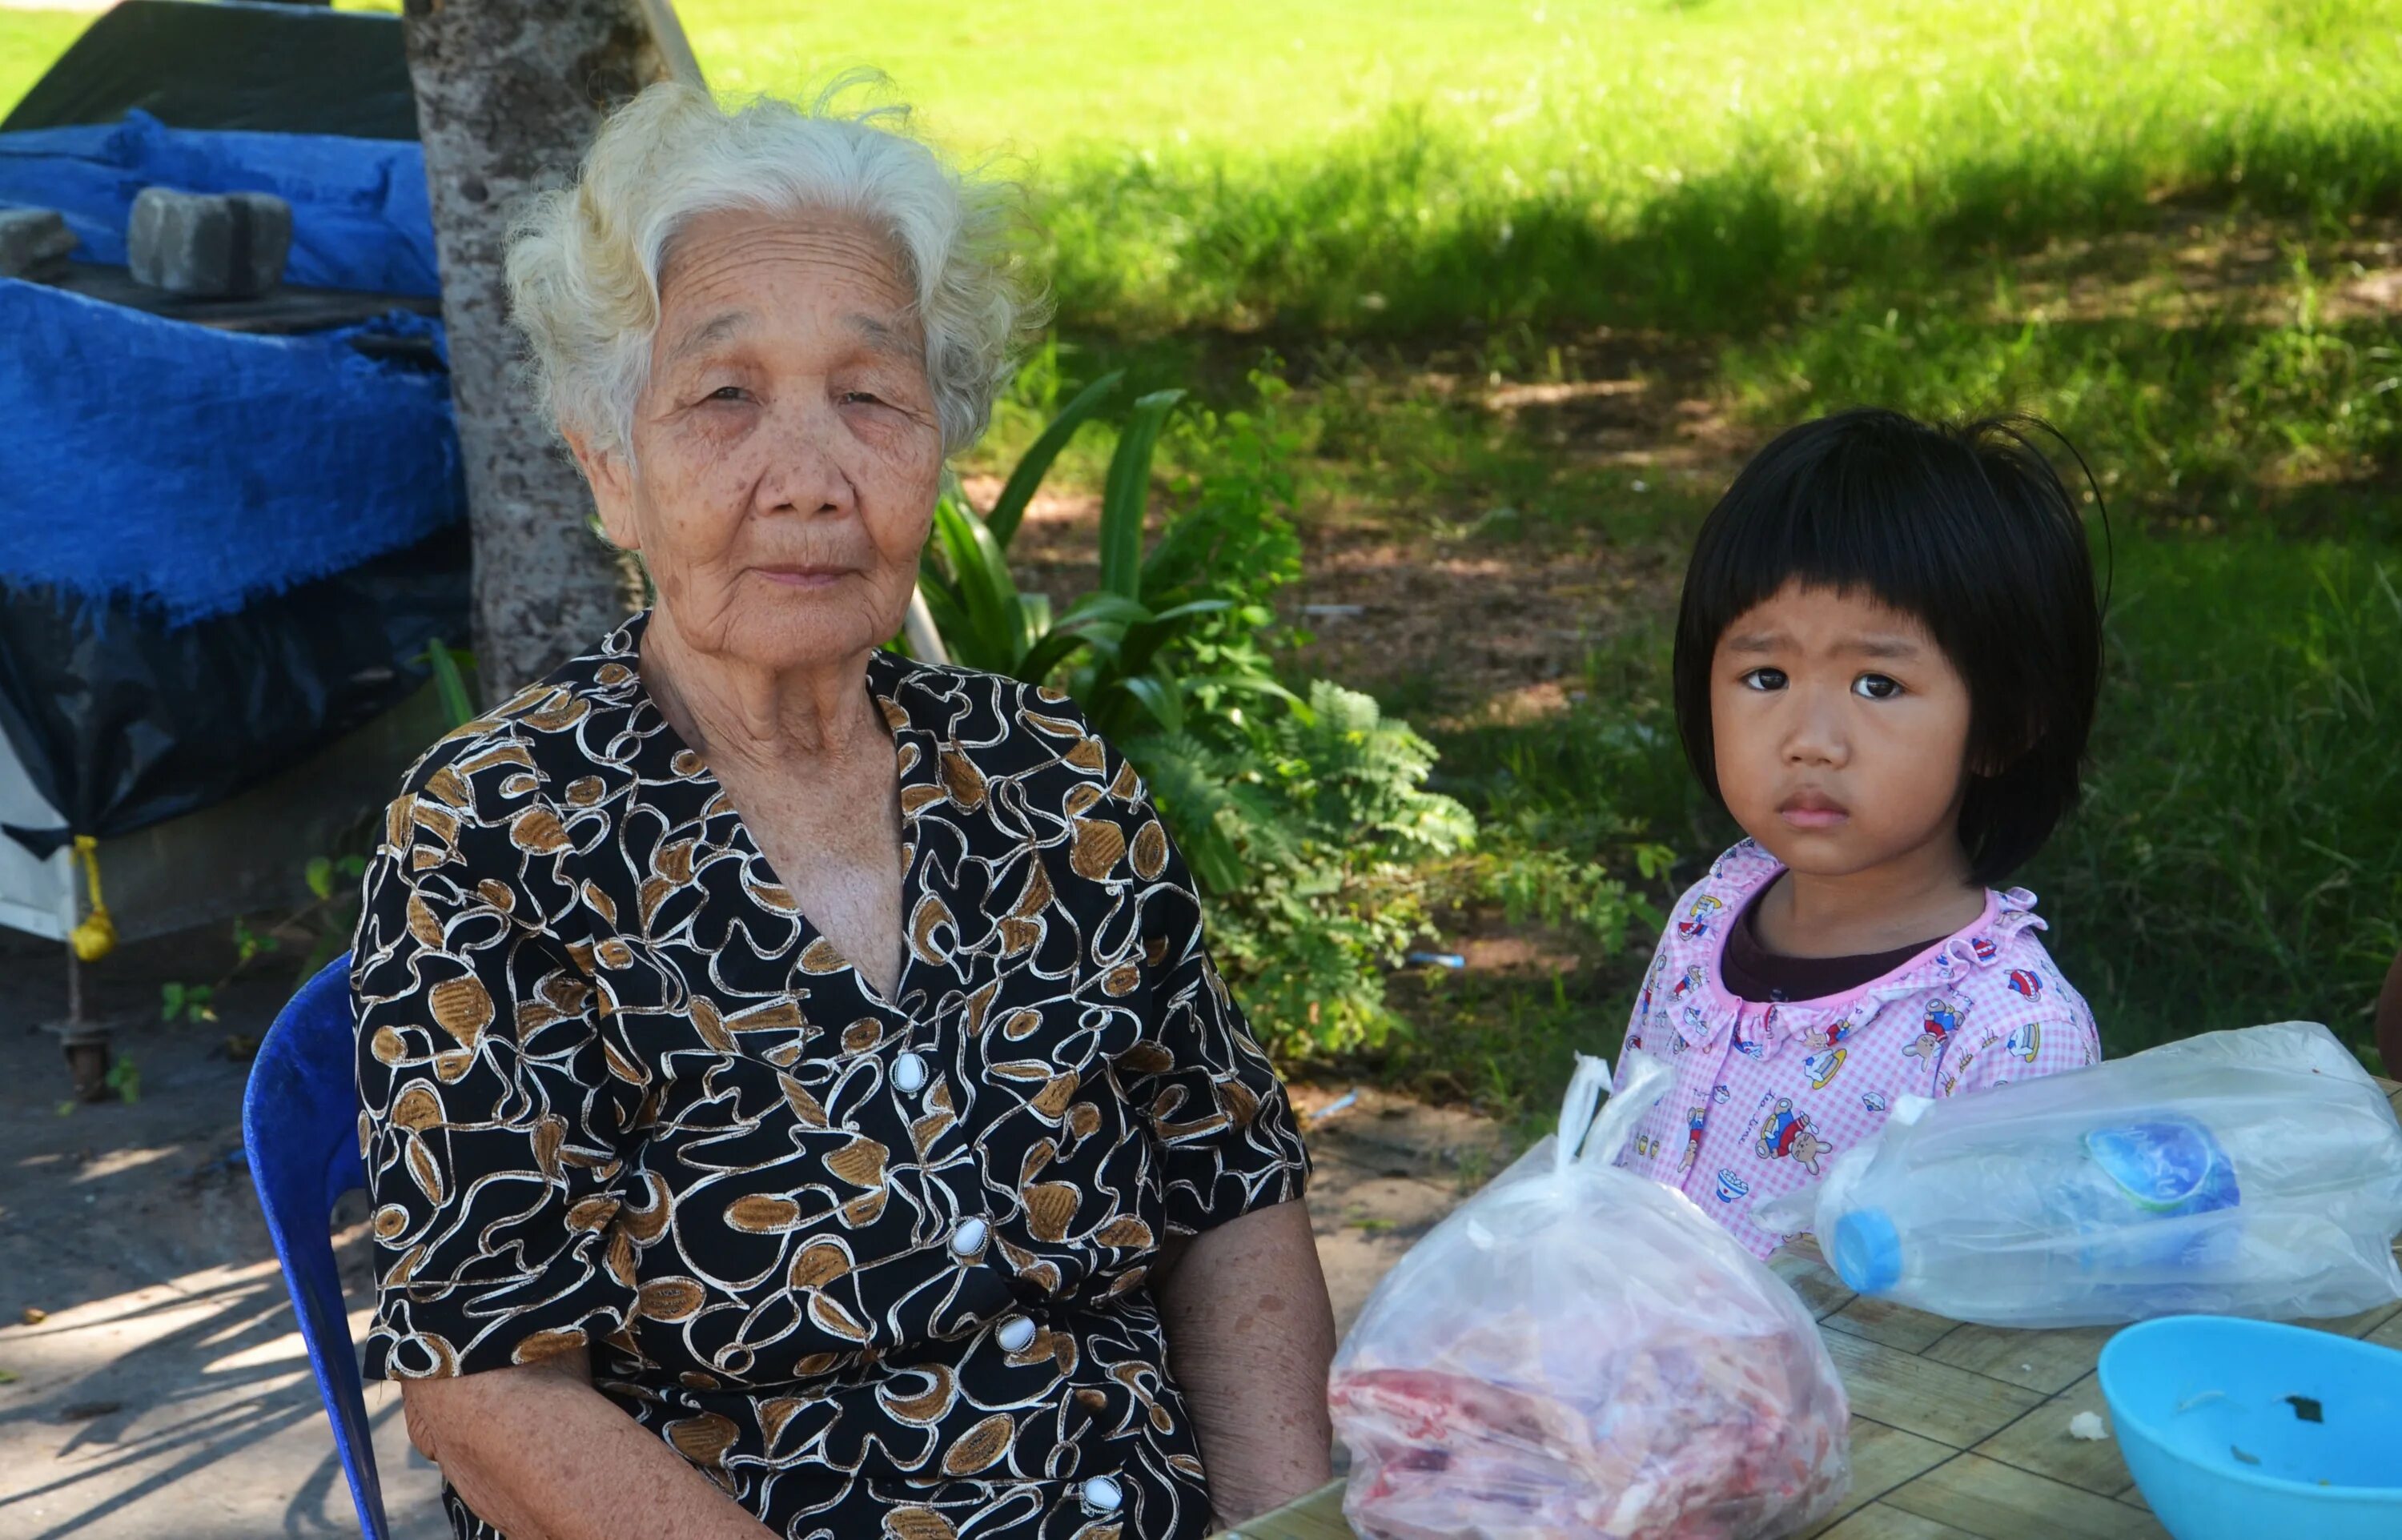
column 1868, row 1251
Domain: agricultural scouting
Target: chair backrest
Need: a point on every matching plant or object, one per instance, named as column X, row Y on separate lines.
column 300, row 1128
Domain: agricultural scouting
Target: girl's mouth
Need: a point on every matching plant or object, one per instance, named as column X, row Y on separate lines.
column 1811, row 810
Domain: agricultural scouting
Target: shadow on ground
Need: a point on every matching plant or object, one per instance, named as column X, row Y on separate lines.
column 157, row 1385
column 151, row 1379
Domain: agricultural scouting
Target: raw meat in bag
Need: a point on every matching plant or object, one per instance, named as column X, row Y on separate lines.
column 1579, row 1351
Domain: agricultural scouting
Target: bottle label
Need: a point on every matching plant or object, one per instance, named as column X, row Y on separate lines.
column 2166, row 1167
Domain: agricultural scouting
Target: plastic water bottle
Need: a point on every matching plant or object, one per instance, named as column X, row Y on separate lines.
column 2088, row 1215
column 2253, row 1173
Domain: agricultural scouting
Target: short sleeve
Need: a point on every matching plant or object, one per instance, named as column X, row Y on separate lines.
column 492, row 1118
column 2032, row 1038
column 1642, row 1150
column 1225, row 1129
column 1655, row 982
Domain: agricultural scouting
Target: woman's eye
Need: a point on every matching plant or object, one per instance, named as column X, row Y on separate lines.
column 1764, row 679
column 862, row 398
column 1876, row 687
column 726, row 392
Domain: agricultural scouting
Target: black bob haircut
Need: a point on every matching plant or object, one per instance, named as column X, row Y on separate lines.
column 1969, row 528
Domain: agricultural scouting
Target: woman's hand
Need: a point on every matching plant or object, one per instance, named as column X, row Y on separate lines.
column 539, row 1454
column 1250, row 1335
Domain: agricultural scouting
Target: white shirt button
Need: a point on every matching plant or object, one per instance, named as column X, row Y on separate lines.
column 1017, row 1334
column 1101, row 1494
column 968, row 1239
column 910, row 1072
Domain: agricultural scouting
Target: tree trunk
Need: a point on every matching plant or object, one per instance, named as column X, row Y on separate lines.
column 509, row 94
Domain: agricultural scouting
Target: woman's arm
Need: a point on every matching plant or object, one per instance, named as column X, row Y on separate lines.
column 539, row 1454
column 1249, row 1335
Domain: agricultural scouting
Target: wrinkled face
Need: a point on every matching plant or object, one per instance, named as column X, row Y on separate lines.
column 1841, row 732
column 785, row 452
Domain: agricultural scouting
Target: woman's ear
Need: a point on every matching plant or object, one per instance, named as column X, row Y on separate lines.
column 611, row 479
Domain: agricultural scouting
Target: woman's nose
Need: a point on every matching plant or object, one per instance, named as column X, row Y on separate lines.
column 804, row 472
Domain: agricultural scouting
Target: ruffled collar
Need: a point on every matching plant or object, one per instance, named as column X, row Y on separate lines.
column 1710, row 912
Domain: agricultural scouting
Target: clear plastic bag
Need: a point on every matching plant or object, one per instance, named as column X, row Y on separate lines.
column 2244, row 1172
column 1579, row 1352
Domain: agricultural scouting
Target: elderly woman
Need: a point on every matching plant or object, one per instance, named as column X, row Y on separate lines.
column 798, row 1098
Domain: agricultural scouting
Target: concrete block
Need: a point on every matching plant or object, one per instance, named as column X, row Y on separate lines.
column 34, row 242
column 208, row 245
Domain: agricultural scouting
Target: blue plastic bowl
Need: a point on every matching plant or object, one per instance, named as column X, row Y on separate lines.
column 2241, row 1430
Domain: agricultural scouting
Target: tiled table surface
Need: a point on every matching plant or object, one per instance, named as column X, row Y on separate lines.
column 1958, row 1432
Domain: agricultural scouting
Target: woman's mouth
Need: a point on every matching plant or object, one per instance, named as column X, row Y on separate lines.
column 1811, row 810
column 803, row 574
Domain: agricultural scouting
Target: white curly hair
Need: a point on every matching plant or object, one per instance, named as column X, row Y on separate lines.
column 583, row 263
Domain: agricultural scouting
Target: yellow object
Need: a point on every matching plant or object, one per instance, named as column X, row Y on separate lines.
column 96, row 937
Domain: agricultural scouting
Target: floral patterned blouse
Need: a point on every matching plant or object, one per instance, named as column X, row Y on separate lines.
column 875, row 1266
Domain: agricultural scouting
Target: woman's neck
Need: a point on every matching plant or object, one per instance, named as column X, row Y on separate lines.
column 1918, row 897
column 733, row 711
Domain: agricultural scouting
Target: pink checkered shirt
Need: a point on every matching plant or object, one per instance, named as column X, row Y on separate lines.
column 1765, row 1092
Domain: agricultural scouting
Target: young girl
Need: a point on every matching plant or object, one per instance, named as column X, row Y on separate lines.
column 1886, row 664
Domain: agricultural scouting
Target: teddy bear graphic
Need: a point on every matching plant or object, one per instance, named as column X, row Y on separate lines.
column 1694, row 1118
column 1827, row 1052
column 1788, row 1134
column 1943, row 1022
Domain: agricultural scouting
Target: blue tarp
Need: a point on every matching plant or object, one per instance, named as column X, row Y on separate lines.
column 193, row 470
column 359, row 215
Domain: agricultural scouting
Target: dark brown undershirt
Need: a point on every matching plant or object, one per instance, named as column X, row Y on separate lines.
column 1752, row 973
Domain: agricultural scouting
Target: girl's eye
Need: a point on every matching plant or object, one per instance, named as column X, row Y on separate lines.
column 1876, row 687
column 1764, row 679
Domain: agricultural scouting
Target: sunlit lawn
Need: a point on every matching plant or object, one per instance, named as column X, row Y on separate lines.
column 2170, row 226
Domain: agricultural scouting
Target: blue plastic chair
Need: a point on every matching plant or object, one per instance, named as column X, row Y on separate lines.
column 300, row 1128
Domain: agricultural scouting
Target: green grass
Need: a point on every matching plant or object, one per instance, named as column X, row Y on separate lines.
column 1359, row 166
column 30, row 42
column 2239, row 856
column 2148, row 220
column 2200, row 416
column 1366, row 165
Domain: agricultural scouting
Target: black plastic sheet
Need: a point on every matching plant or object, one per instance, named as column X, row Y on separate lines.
column 121, row 722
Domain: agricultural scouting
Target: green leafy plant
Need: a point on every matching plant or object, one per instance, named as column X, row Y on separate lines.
column 187, row 1002
column 1119, row 643
column 1333, row 836
column 124, row 1077
column 449, row 667
column 1306, row 821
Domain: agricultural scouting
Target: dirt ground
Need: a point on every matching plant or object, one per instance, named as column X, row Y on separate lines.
column 151, row 1379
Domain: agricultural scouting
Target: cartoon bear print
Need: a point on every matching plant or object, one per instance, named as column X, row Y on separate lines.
column 1787, row 1134
column 1694, row 1120
column 1827, row 1053
column 1941, row 1023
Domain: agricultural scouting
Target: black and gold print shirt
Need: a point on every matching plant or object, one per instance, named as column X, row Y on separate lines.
column 875, row 1266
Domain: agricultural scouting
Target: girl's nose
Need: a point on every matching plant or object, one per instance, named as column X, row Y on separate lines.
column 1815, row 735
